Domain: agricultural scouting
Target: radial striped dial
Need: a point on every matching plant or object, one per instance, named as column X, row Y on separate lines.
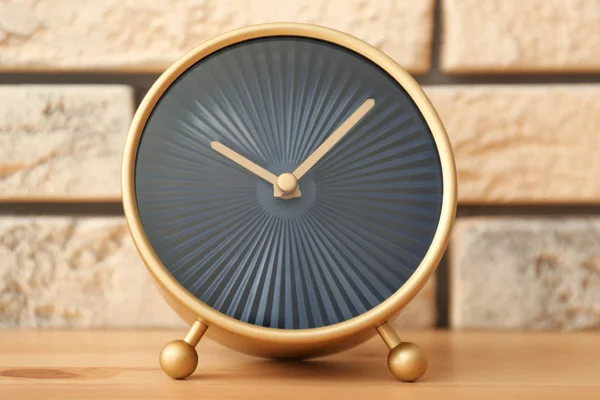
column 369, row 207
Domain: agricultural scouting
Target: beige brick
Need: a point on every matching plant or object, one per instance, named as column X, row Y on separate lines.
column 151, row 34
column 521, row 36
column 85, row 272
column 62, row 142
column 523, row 144
column 533, row 273
column 421, row 311
column 75, row 272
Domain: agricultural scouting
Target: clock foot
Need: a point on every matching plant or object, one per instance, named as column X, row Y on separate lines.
column 406, row 360
column 179, row 358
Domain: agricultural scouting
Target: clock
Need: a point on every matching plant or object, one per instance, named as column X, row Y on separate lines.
column 290, row 189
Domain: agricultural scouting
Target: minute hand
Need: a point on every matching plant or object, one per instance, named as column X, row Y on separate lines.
column 335, row 137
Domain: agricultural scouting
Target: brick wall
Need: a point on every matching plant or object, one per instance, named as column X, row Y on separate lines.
column 516, row 82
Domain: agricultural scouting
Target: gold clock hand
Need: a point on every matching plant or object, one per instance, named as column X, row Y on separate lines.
column 244, row 162
column 335, row 137
column 259, row 171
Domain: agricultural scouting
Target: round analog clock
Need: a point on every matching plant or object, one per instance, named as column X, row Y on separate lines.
column 291, row 189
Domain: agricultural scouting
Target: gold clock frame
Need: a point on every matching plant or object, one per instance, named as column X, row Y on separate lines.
column 179, row 358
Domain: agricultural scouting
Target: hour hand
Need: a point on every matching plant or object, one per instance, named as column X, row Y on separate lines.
column 244, row 162
column 280, row 184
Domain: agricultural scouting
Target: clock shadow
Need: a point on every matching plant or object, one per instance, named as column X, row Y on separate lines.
column 367, row 366
column 325, row 370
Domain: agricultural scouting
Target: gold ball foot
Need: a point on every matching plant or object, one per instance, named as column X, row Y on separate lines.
column 407, row 362
column 178, row 359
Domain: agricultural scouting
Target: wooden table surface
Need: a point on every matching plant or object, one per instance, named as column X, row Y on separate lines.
column 124, row 365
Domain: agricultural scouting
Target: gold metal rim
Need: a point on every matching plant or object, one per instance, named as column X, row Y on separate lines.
column 180, row 298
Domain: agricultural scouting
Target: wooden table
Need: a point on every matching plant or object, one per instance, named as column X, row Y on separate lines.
column 112, row 365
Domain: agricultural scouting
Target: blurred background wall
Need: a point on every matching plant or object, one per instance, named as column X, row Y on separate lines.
column 515, row 82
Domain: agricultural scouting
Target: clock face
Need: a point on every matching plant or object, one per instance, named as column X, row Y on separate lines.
column 267, row 248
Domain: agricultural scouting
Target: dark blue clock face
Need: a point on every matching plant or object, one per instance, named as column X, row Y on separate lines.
column 369, row 208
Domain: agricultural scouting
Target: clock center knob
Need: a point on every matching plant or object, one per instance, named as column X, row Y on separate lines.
column 287, row 182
